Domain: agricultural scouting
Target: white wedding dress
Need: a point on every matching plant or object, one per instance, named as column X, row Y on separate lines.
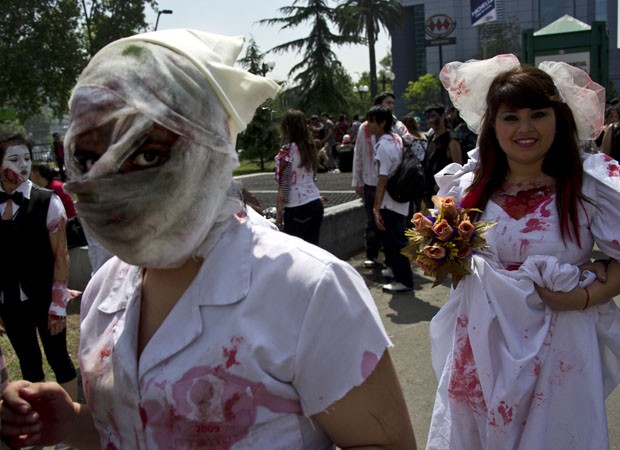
column 513, row 374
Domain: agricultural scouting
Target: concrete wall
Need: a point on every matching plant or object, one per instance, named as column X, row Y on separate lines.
column 342, row 231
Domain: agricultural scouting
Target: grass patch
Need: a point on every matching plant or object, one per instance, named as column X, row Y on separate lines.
column 73, row 341
column 248, row 167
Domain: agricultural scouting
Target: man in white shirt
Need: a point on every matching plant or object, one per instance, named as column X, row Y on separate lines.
column 389, row 215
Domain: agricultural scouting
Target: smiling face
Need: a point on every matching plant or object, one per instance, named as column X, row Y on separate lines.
column 16, row 165
column 525, row 135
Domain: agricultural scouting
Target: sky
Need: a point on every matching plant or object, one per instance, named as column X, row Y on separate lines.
column 240, row 17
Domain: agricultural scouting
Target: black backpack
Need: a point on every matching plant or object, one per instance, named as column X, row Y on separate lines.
column 407, row 183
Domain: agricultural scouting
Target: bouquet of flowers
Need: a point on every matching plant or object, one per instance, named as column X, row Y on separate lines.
column 443, row 240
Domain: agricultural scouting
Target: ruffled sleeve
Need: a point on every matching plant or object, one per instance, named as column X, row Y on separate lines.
column 602, row 186
column 454, row 179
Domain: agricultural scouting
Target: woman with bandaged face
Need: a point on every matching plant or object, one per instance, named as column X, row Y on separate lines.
column 34, row 267
column 210, row 329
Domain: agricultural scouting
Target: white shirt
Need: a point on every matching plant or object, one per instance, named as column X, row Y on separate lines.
column 389, row 154
column 271, row 331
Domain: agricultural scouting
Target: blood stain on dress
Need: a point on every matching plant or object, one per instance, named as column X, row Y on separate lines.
column 369, row 362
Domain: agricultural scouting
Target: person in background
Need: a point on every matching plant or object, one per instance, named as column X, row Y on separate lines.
column 527, row 338
column 34, row 267
column 44, row 176
column 209, row 329
column 442, row 148
column 418, row 148
column 58, row 152
column 364, row 177
column 299, row 209
column 389, row 214
column 345, row 154
column 321, row 156
column 328, row 140
column 354, row 128
column 341, row 127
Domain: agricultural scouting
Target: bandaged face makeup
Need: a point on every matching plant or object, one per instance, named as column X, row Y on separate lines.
column 16, row 165
column 151, row 143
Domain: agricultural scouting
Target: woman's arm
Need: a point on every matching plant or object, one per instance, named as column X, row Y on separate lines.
column 379, row 194
column 597, row 293
column 44, row 414
column 371, row 416
column 454, row 148
column 606, row 145
column 57, row 225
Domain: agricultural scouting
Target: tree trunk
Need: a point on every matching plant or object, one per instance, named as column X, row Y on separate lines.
column 370, row 30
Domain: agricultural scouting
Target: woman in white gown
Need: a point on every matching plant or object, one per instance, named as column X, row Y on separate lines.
column 526, row 350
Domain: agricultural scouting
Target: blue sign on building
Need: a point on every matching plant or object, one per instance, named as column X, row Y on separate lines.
column 482, row 11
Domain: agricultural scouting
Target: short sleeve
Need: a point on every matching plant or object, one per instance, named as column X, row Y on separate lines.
column 341, row 339
column 55, row 213
column 602, row 186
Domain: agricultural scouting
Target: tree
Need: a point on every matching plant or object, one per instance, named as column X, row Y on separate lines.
column 366, row 18
column 45, row 44
column 41, row 54
column 426, row 91
column 108, row 20
column 259, row 141
column 314, row 77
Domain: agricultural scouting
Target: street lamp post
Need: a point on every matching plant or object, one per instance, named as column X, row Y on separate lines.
column 387, row 75
column 362, row 89
column 159, row 13
column 267, row 67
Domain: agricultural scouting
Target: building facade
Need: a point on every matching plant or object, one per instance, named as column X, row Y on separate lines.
column 412, row 57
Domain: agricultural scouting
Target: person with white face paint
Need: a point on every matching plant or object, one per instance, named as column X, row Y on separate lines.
column 34, row 267
column 209, row 329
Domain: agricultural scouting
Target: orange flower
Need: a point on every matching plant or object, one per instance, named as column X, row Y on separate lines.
column 420, row 221
column 448, row 205
column 435, row 251
column 465, row 229
column 443, row 230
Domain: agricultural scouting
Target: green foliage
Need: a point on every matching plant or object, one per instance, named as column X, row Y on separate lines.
column 109, row 20
column 42, row 54
column 45, row 44
column 314, row 75
column 363, row 19
column 423, row 92
column 261, row 139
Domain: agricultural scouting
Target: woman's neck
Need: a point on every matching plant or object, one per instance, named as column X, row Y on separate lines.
column 8, row 187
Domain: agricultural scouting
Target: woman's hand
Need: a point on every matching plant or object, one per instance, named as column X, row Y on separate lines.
column 36, row 413
column 378, row 219
column 56, row 323
column 599, row 267
column 573, row 300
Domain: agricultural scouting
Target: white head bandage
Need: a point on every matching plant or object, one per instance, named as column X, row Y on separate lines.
column 185, row 82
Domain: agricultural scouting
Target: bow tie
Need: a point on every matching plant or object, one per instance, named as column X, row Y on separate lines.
column 17, row 197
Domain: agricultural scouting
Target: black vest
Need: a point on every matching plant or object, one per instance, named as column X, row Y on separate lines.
column 27, row 259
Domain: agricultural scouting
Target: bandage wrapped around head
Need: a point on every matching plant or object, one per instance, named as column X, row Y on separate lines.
column 182, row 81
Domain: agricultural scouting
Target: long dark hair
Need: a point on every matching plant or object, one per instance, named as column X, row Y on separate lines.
column 295, row 129
column 529, row 87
